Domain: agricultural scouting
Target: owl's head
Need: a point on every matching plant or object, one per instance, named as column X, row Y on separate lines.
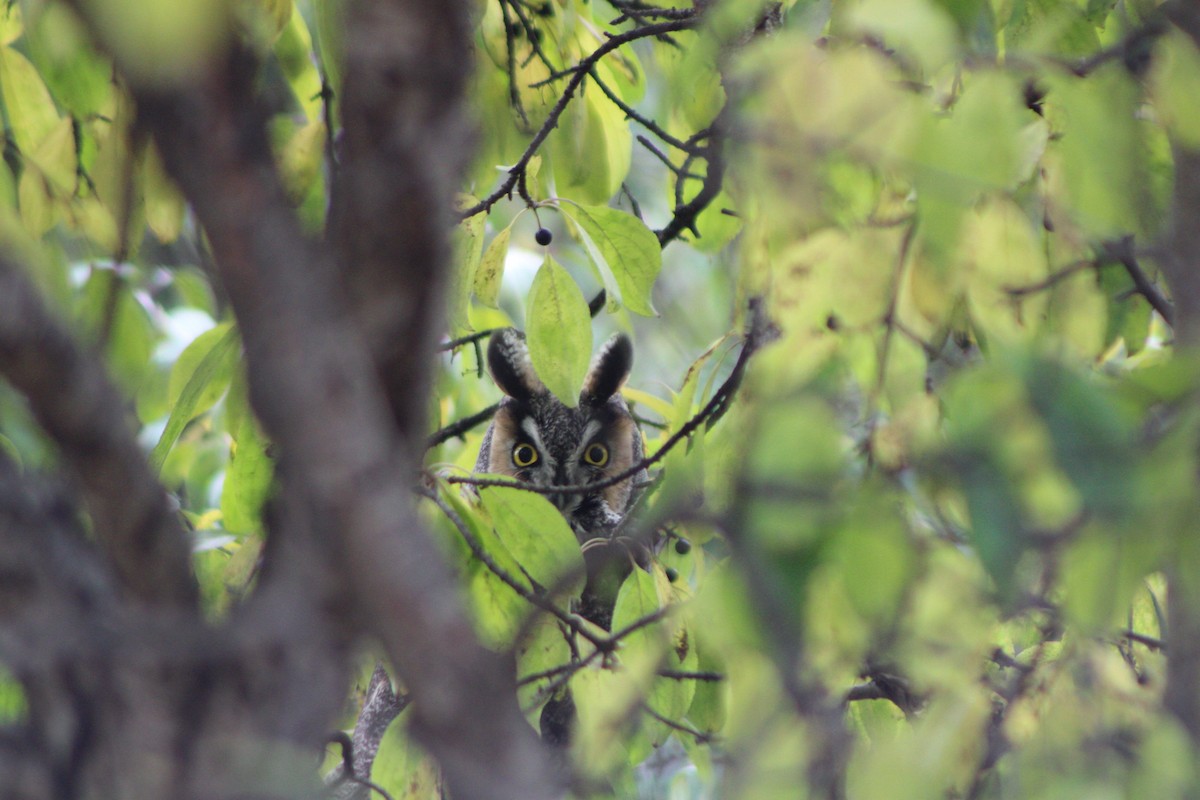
column 534, row 437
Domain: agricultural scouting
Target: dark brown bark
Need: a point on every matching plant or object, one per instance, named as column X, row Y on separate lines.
column 75, row 402
column 1181, row 267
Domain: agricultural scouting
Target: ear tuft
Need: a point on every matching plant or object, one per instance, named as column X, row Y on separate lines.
column 609, row 370
column 508, row 361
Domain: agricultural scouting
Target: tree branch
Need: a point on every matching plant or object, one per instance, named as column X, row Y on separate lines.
column 73, row 399
column 307, row 361
column 578, row 73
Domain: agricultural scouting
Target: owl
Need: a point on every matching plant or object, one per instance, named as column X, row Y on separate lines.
column 534, row 437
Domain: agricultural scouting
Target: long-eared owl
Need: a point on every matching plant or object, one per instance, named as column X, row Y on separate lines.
column 535, row 437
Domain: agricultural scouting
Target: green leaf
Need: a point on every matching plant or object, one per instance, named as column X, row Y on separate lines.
column 331, row 35
column 624, row 251
column 80, row 79
column 214, row 367
column 294, row 48
column 164, row 204
column 1099, row 118
column 300, row 159
column 490, row 271
column 537, row 535
column 559, row 331
column 247, row 480
column 666, row 643
column 468, row 247
column 543, row 649
column 1176, row 73
column 497, row 610
column 11, row 24
column 161, row 44
column 131, row 334
column 1095, row 442
column 30, row 111
column 917, row 28
column 710, row 702
column 590, row 149
column 402, row 768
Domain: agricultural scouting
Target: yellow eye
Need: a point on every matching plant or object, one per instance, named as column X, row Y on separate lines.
column 596, row 454
column 524, row 455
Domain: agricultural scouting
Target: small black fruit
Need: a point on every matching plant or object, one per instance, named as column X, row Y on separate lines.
column 543, row 237
column 672, row 574
column 683, row 546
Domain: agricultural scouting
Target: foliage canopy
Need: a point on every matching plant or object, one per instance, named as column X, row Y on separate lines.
column 911, row 287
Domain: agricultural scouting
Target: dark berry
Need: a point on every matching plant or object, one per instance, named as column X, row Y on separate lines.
column 672, row 574
column 683, row 546
column 543, row 237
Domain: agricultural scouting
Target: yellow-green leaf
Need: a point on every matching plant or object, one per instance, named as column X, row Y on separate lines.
column 247, row 480
column 211, row 367
column 537, row 535
column 164, row 204
column 468, row 247
column 11, row 25
column 590, row 149
column 625, row 253
column 30, row 111
column 161, row 44
column 490, row 271
column 559, row 331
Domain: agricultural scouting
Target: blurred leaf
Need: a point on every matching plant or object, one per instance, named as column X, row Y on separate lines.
column 1098, row 116
column 710, row 700
column 543, row 649
column 301, row 158
column 48, row 178
column 163, row 202
column 201, row 380
column 1094, row 439
column 468, row 248
column 490, row 272
column 1173, row 80
column 248, row 480
column 11, row 23
column 402, row 768
column 294, row 49
column 559, row 331
column 29, row 109
column 79, row 77
column 161, row 44
column 590, row 149
column 919, row 29
column 331, row 35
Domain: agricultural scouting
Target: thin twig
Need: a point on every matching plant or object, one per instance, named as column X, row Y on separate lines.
column 700, row 736
column 457, row 428
column 1121, row 251
column 581, row 71
column 1053, row 279
column 1149, row 641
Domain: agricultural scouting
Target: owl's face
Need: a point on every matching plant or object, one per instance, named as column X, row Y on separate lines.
column 534, row 437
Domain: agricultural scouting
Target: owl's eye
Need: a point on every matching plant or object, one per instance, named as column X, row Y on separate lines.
column 524, row 455
column 596, row 454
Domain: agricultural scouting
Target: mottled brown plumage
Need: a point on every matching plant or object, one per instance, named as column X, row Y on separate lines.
column 534, row 437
